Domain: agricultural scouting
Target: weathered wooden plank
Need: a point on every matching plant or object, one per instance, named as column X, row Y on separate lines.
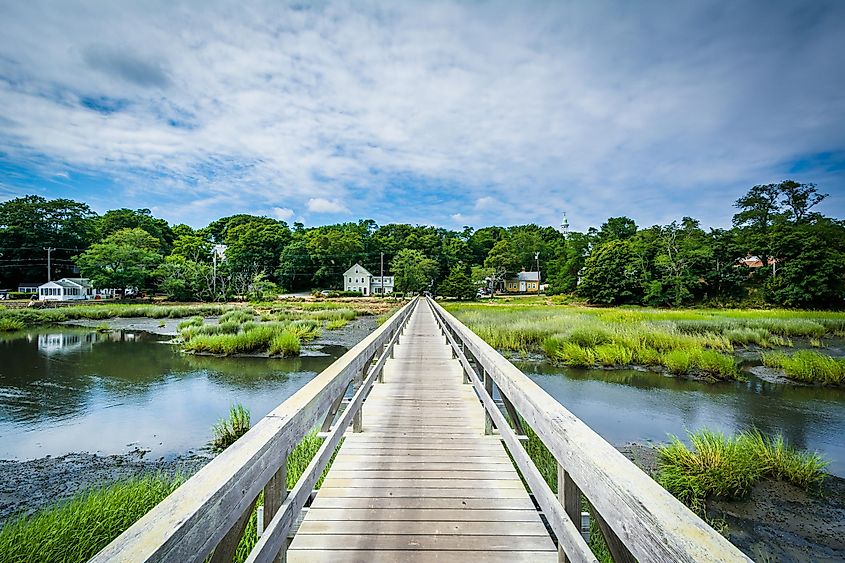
column 377, row 515
column 414, row 492
column 520, row 503
column 444, row 556
column 419, row 542
column 419, row 466
column 463, row 475
column 419, row 483
column 423, row 527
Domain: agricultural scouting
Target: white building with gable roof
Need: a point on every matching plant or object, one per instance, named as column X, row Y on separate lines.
column 357, row 278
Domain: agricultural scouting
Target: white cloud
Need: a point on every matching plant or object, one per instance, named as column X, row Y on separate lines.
column 322, row 205
column 282, row 213
column 593, row 108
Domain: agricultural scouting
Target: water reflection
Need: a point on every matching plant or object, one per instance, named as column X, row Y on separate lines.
column 79, row 390
column 626, row 406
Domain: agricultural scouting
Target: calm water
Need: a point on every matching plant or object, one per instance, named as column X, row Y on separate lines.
column 71, row 390
column 632, row 406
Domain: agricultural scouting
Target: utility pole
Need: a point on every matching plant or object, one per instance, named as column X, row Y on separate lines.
column 49, row 249
column 382, row 275
column 537, row 258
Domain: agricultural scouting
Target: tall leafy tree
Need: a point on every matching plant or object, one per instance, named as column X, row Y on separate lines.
column 254, row 247
column 119, row 219
column 610, row 275
column 32, row 223
column 412, row 270
column 125, row 259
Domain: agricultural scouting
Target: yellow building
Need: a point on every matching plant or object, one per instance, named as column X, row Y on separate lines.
column 524, row 282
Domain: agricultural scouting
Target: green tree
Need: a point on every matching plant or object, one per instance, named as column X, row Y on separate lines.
column 412, row 270
column 125, row 259
column 810, row 264
column 296, row 269
column 119, row 219
column 254, row 247
column 31, row 223
column 610, row 275
column 458, row 284
column 504, row 260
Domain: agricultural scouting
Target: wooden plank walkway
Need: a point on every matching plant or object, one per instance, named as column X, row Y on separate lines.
column 422, row 482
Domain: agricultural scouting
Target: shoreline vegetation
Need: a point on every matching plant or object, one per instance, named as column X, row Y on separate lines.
column 697, row 343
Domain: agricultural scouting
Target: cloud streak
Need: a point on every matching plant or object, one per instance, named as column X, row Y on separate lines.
column 428, row 112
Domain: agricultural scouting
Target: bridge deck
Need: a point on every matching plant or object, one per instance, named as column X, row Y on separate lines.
column 422, row 482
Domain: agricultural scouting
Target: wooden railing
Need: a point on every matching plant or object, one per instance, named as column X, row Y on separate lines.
column 208, row 514
column 639, row 520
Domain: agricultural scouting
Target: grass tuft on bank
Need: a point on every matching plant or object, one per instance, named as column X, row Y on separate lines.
column 227, row 430
column 728, row 467
column 808, row 366
column 75, row 530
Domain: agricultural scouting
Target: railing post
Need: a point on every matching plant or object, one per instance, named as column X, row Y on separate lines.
column 488, row 386
column 357, row 419
column 275, row 493
column 569, row 496
column 225, row 550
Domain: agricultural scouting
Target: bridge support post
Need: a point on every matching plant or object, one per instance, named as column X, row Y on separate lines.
column 569, row 496
column 275, row 493
column 357, row 419
column 488, row 386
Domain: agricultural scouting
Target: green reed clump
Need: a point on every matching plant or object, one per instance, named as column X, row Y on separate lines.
column 614, row 354
column 746, row 335
column 305, row 329
column 249, row 340
column 285, row 344
column 75, row 530
column 196, row 321
column 719, row 466
column 8, row 325
column 808, row 366
column 102, row 311
column 238, row 316
column 336, row 324
column 227, row 430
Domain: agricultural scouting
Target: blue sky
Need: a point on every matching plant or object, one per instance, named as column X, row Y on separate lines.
column 445, row 113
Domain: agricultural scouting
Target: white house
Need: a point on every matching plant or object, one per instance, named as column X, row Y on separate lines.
column 357, row 278
column 72, row 289
column 29, row 287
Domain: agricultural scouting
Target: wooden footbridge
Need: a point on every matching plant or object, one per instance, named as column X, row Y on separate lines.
column 433, row 469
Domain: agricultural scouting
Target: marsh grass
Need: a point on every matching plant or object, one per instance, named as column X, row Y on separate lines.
column 196, row 321
column 102, row 311
column 808, row 366
column 336, row 324
column 75, row 530
column 285, row 344
column 227, row 430
column 728, row 467
column 239, row 316
column 684, row 342
column 9, row 325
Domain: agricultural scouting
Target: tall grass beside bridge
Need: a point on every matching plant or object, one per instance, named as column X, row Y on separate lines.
column 683, row 342
column 73, row 531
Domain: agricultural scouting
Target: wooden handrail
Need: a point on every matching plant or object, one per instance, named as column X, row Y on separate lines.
column 647, row 520
column 193, row 520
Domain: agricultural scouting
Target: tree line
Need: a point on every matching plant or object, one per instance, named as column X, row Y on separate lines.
column 800, row 254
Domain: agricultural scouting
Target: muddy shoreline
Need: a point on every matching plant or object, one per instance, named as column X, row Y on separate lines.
column 778, row 521
column 28, row 486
